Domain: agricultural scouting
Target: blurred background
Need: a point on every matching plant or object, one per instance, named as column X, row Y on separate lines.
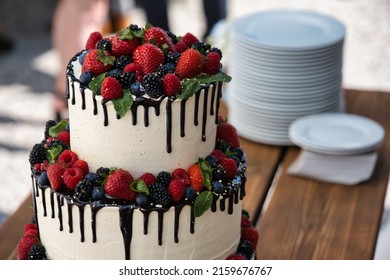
column 28, row 68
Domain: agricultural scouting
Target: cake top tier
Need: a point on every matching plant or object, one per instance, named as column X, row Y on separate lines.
column 148, row 62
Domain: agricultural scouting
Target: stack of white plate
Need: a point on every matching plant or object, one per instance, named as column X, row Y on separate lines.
column 285, row 65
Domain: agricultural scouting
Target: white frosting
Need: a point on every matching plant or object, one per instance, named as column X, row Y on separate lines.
column 137, row 148
column 216, row 234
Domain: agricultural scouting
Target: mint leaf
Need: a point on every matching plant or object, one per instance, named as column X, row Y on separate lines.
column 190, row 86
column 56, row 129
column 53, row 153
column 139, row 186
column 96, row 83
column 218, row 77
column 122, row 105
column 104, row 58
column 202, row 203
column 128, row 34
column 206, row 173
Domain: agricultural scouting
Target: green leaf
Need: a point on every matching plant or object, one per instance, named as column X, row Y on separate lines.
column 128, row 34
column 104, row 58
column 218, row 77
column 202, row 203
column 190, row 86
column 96, row 83
column 53, row 153
column 139, row 186
column 56, row 129
column 207, row 174
column 122, row 105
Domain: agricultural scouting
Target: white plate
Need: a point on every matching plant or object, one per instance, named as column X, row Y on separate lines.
column 290, row 30
column 336, row 133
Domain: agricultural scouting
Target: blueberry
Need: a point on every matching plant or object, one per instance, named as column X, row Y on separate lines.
column 142, row 200
column 211, row 159
column 137, row 89
column 85, row 78
column 238, row 152
column 42, row 179
column 217, row 187
column 190, row 193
column 98, row 193
column 236, row 160
column 67, row 127
column 91, row 176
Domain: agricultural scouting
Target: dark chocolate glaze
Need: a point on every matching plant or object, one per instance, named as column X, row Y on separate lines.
column 60, row 203
column 183, row 117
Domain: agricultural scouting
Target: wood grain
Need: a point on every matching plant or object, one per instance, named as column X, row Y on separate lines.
column 308, row 219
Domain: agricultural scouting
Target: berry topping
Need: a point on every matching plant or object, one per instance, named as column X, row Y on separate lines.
column 148, row 179
column 122, row 61
column 182, row 175
column 118, row 185
column 25, row 244
column 217, row 187
column 64, row 137
column 196, row 177
column 48, row 125
column 228, row 132
column 189, row 39
column 212, row 63
column 142, row 200
column 250, row 234
column 159, row 194
column 189, row 194
column 72, row 177
column 153, row 85
column 171, row 84
column 246, row 248
column 164, row 178
column 54, row 174
column 159, row 37
column 237, row 257
column 189, row 64
column 230, row 167
column 84, row 189
column 67, row 158
column 93, row 39
column 83, row 165
column 97, row 62
column 37, row 252
column 104, row 45
column 37, row 154
column 176, row 189
column 123, row 46
column 149, row 57
column 137, row 89
column 180, row 47
column 111, row 89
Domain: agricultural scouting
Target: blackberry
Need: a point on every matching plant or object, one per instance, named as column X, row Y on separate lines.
column 134, row 27
column 218, row 172
column 153, row 85
column 246, row 248
column 126, row 79
column 49, row 124
column 56, row 142
column 202, row 47
column 104, row 45
column 37, row 154
column 102, row 173
column 222, row 145
column 218, row 51
column 122, row 61
column 37, row 252
column 83, row 190
column 172, row 36
column 159, row 194
column 165, row 69
column 172, row 57
column 164, row 178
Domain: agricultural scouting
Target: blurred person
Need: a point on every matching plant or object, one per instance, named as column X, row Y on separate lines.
column 6, row 43
column 73, row 22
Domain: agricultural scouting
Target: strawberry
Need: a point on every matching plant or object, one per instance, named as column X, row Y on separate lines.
column 118, row 185
column 24, row 246
column 97, row 62
column 72, row 176
column 159, row 37
column 134, row 68
column 230, row 167
column 111, row 89
column 189, row 39
column 189, row 64
column 180, row 47
column 176, row 189
column 83, row 165
column 123, row 46
column 149, row 57
column 212, row 63
column 196, row 177
column 171, row 84
column 237, row 257
column 93, row 39
column 228, row 133
column 30, row 226
column 148, row 178
column 64, row 136
column 218, row 154
column 54, row 174
column 245, row 222
column 67, row 158
column 250, row 234
column 182, row 175
column 44, row 165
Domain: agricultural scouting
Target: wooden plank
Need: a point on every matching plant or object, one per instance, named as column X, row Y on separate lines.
column 308, row 219
column 13, row 227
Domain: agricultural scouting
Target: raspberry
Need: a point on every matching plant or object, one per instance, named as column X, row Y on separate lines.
column 189, row 39
column 54, row 174
column 64, row 136
column 111, row 89
column 182, row 175
column 148, row 178
column 171, row 84
column 176, row 189
column 67, row 158
column 212, row 63
column 218, row 154
column 24, row 246
column 83, row 165
column 72, row 177
column 93, row 39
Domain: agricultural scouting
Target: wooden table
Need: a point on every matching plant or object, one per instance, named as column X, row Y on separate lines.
column 303, row 218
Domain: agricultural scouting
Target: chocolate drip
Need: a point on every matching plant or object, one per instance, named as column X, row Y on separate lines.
column 73, row 93
column 105, row 112
column 126, row 225
column 81, row 217
column 70, row 214
column 204, row 118
column 82, row 91
column 214, row 204
column 242, row 186
column 196, row 110
column 94, row 209
column 35, row 186
column 67, row 93
column 192, row 225
column 169, row 125
column 160, row 214
column 60, row 203
column 222, row 204
column 212, row 100
column 134, row 110
column 177, row 219
column 95, row 110
column 146, row 221
column 118, row 117
column 219, row 95
column 52, row 203
column 44, row 202
column 182, row 117
column 230, row 203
